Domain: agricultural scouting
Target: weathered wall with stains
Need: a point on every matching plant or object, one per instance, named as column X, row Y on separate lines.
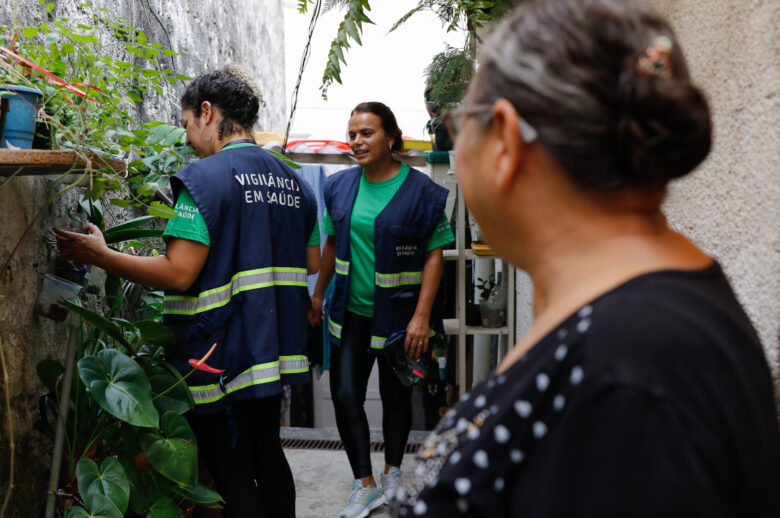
column 208, row 35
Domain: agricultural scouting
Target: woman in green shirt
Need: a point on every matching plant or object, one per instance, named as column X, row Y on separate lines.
column 373, row 136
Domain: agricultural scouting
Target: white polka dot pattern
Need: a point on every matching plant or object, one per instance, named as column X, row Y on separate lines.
column 583, row 325
column 502, row 434
column 492, row 458
column 481, row 459
column 576, row 375
column 462, row 486
column 540, row 429
column 523, row 408
column 516, row 456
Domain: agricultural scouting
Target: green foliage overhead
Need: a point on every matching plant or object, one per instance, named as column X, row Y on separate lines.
column 449, row 73
column 462, row 15
column 349, row 29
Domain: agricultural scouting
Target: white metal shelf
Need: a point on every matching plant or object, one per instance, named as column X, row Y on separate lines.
column 452, row 255
column 452, row 325
column 457, row 326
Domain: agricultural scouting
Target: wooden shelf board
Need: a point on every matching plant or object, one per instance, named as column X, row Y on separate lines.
column 36, row 162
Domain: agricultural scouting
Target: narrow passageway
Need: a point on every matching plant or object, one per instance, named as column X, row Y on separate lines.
column 323, row 477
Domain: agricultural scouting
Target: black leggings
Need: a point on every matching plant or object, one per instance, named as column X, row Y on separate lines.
column 351, row 365
column 254, row 477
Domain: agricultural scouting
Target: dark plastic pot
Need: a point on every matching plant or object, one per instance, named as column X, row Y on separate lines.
column 19, row 127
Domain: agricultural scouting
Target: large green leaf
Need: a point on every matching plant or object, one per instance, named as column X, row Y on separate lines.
column 139, row 499
column 172, row 449
column 94, row 210
column 120, row 386
column 49, row 371
column 178, row 399
column 77, row 512
column 200, row 495
column 133, row 223
column 164, row 507
column 157, row 334
column 99, row 322
column 161, row 210
column 101, row 508
column 110, row 481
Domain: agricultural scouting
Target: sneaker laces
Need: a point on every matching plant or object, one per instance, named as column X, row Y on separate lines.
column 391, row 481
column 357, row 491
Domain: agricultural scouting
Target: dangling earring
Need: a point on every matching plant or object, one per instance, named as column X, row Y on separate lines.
column 205, row 139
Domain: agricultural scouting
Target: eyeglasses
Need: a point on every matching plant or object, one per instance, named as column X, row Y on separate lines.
column 453, row 121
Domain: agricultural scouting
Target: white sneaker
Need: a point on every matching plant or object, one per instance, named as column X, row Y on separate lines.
column 390, row 481
column 363, row 500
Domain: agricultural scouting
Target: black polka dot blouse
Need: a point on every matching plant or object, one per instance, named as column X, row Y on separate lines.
column 653, row 400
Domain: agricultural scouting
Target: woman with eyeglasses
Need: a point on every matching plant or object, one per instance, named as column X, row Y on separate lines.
column 386, row 228
column 641, row 389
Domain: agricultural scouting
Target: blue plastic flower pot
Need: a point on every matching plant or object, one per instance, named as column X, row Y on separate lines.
column 20, row 118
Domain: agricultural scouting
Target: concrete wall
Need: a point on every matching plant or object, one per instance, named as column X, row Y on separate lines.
column 730, row 206
column 208, row 35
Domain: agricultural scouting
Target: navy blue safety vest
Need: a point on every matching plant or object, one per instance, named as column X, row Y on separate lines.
column 251, row 297
column 401, row 235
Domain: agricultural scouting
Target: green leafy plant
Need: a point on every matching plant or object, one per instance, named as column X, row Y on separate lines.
column 128, row 448
column 94, row 78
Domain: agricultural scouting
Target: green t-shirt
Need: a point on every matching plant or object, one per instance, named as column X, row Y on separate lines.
column 371, row 199
column 189, row 224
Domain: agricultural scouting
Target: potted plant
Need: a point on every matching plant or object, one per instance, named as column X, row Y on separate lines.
column 19, row 101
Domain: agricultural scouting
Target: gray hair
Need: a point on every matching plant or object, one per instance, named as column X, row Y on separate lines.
column 569, row 67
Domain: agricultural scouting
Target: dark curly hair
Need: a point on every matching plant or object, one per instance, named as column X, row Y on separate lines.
column 231, row 92
column 389, row 124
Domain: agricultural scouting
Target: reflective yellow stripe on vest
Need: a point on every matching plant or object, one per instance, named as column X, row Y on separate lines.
column 294, row 364
column 242, row 281
column 342, row 267
column 378, row 342
column 334, row 328
column 391, row 280
column 256, row 375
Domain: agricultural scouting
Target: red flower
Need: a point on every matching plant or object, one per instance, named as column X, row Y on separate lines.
column 201, row 364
